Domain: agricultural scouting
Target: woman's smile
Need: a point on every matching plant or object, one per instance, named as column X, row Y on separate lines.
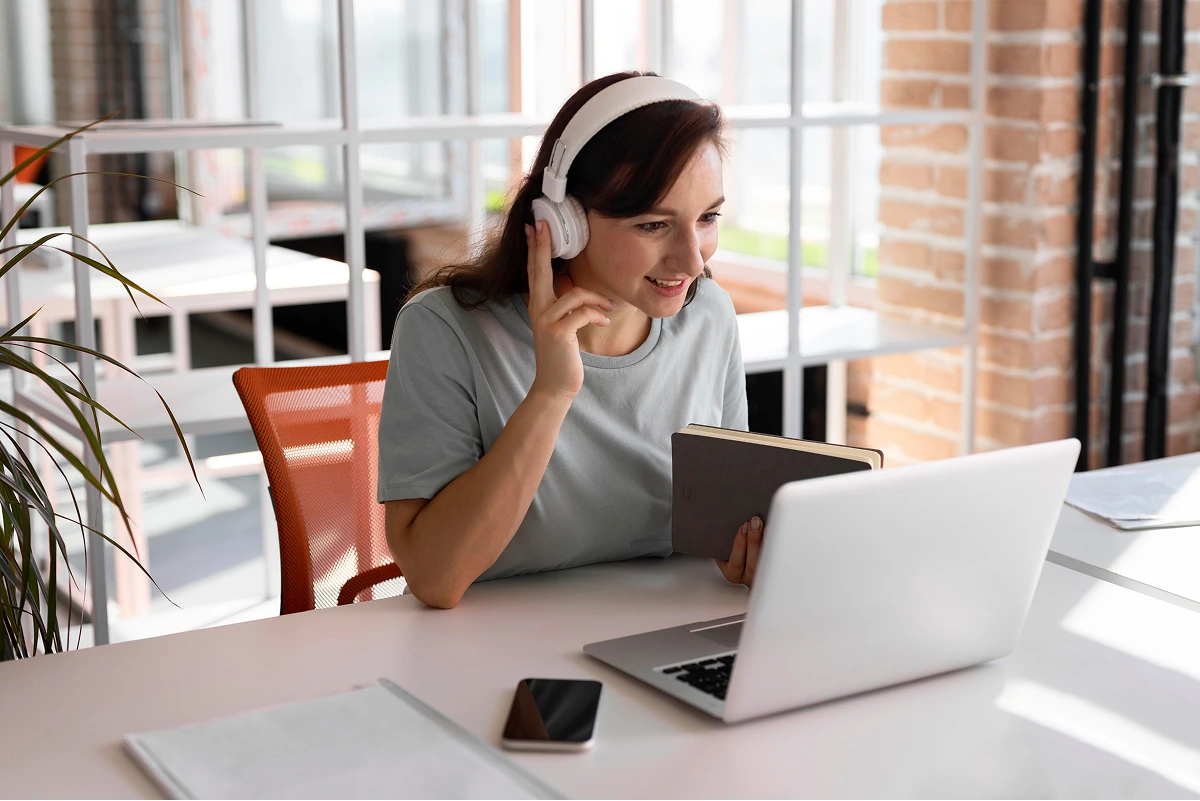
column 668, row 288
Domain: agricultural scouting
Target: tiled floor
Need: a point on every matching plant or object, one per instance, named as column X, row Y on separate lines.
column 207, row 552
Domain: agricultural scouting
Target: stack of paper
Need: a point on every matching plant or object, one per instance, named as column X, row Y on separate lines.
column 1139, row 496
column 374, row 742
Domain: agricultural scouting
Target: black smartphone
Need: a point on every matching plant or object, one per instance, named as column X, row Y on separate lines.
column 552, row 715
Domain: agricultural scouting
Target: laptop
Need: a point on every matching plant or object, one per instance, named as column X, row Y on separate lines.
column 867, row 580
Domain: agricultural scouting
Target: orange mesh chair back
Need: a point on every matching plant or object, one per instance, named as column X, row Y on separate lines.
column 316, row 428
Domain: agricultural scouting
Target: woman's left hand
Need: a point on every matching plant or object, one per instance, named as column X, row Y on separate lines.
column 744, row 559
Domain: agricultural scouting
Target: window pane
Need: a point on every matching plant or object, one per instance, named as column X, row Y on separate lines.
column 819, row 52
column 620, row 30
column 863, row 174
column 732, row 51
column 406, row 170
column 297, row 60
column 697, row 44
column 843, row 44
column 501, row 171
column 401, row 59
column 496, row 93
column 549, row 54
column 754, row 220
column 764, row 48
column 897, row 54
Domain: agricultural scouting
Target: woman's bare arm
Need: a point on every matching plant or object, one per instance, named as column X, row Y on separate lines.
column 445, row 543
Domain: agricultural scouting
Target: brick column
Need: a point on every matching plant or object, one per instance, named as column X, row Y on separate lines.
column 1025, row 378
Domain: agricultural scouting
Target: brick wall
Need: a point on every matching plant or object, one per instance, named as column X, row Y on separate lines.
column 1025, row 365
column 76, row 51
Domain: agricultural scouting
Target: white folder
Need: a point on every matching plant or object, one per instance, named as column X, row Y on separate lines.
column 374, row 742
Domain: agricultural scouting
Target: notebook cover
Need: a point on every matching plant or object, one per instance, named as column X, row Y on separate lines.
column 718, row 484
column 377, row 741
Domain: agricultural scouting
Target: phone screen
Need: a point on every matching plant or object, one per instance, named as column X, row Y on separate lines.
column 553, row 710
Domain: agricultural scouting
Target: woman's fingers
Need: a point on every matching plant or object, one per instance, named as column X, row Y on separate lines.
column 754, row 538
column 576, row 299
column 733, row 569
column 743, row 560
column 583, row 316
column 541, row 276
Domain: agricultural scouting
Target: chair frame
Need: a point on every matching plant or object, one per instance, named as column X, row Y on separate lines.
column 254, row 385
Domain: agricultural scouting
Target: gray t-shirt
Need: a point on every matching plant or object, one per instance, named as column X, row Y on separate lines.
column 456, row 376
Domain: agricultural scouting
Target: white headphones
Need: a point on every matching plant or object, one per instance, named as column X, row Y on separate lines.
column 564, row 214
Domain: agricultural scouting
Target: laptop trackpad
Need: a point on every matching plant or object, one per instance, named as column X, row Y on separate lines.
column 726, row 634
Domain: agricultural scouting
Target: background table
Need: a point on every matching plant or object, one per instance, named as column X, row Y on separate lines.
column 1163, row 562
column 1099, row 700
column 192, row 269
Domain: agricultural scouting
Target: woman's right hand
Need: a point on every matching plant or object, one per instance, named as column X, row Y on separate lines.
column 557, row 320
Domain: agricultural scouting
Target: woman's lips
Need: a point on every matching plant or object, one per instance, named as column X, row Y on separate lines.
column 668, row 291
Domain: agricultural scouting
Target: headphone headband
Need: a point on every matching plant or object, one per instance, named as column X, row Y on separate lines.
column 605, row 106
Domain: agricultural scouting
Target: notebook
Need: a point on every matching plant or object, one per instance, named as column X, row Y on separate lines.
column 722, row 477
column 1140, row 496
column 372, row 742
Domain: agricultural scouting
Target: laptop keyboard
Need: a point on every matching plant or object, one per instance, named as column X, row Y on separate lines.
column 707, row 675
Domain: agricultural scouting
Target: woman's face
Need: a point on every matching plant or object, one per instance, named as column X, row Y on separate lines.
column 649, row 261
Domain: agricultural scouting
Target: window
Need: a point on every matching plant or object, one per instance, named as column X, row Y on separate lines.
column 451, row 94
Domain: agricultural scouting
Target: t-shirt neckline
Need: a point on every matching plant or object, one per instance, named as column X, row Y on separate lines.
column 594, row 360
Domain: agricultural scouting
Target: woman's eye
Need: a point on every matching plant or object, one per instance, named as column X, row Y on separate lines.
column 710, row 217
column 652, row 226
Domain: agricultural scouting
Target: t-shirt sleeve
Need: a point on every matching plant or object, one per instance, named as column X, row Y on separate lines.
column 734, row 409
column 428, row 425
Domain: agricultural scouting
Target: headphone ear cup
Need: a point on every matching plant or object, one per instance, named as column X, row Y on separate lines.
column 567, row 222
column 578, row 217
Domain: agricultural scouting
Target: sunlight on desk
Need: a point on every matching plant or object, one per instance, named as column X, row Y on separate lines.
column 242, row 459
column 1103, row 729
column 1140, row 626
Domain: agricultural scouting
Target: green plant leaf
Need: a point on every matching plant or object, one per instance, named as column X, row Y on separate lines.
column 12, row 331
column 21, row 211
column 43, row 151
column 25, row 466
column 81, row 394
column 110, row 270
column 91, row 479
column 89, row 428
column 29, row 590
column 87, row 398
column 66, row 453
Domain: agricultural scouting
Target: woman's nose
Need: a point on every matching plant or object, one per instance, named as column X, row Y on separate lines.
column 686, row 251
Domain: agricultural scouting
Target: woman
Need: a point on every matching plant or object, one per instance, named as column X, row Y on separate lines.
column 530, row 401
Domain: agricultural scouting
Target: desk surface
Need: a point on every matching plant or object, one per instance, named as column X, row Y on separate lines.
column 1098, row 701
column 190, row 268
column 1159, row 562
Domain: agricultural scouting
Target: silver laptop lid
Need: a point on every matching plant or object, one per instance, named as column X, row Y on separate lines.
column 875, row 578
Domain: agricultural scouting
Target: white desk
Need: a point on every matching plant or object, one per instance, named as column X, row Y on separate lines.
column 1164, row 562
column 830, row 333
column 1100, row 699
column 191, row 269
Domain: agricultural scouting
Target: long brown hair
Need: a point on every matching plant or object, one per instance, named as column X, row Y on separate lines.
column 622, row 171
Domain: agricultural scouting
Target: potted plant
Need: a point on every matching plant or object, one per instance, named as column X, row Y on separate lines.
column 29, row 604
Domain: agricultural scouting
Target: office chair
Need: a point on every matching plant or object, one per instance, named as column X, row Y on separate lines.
column 316, row 427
